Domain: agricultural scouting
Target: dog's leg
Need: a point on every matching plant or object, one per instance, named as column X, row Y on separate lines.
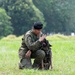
column 42, row 65
column 51, row 60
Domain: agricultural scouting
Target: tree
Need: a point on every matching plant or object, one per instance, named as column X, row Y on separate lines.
column 23, row 14
column 56, row 15
column 5, row 24
column 59, row 14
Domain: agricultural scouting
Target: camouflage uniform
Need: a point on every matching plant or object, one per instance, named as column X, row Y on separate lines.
column 30, row 41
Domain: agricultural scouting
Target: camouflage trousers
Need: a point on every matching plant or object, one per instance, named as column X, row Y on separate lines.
column 38, row 56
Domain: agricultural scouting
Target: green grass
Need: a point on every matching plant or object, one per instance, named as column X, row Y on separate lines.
column 63, row 57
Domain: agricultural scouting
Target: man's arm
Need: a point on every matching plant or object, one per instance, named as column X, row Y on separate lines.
column 32, row 45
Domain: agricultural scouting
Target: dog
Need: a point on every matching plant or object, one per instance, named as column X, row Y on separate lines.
column 46, row 63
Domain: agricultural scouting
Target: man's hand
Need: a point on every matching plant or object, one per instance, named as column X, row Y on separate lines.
column 42, row 38
column 28, row 54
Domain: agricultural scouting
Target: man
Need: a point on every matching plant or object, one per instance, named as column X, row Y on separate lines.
column 31, row 47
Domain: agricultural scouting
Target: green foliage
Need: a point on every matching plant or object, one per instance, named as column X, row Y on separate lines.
column 56, row 15
column 5, row 24
column 59, row 15
column 23, row 13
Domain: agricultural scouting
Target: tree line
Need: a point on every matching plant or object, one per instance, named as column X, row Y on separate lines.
column 18, row 16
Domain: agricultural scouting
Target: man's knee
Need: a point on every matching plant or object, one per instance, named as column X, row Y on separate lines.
column 40, row 54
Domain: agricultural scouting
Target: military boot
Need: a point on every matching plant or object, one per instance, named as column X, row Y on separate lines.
column 25, row 63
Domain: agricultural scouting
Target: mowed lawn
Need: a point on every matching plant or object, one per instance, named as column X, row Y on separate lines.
column 63, row 49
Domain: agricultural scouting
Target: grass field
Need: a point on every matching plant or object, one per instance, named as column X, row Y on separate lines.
column 63, row 56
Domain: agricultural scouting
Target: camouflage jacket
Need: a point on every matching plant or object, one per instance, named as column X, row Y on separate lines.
column 30, row 41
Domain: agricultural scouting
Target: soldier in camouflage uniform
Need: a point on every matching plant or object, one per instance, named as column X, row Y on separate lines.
column 31, row 47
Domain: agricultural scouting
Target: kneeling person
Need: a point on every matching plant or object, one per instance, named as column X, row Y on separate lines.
column 31, row 47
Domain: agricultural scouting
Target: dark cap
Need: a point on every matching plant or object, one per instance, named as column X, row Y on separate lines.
column 38, row 25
